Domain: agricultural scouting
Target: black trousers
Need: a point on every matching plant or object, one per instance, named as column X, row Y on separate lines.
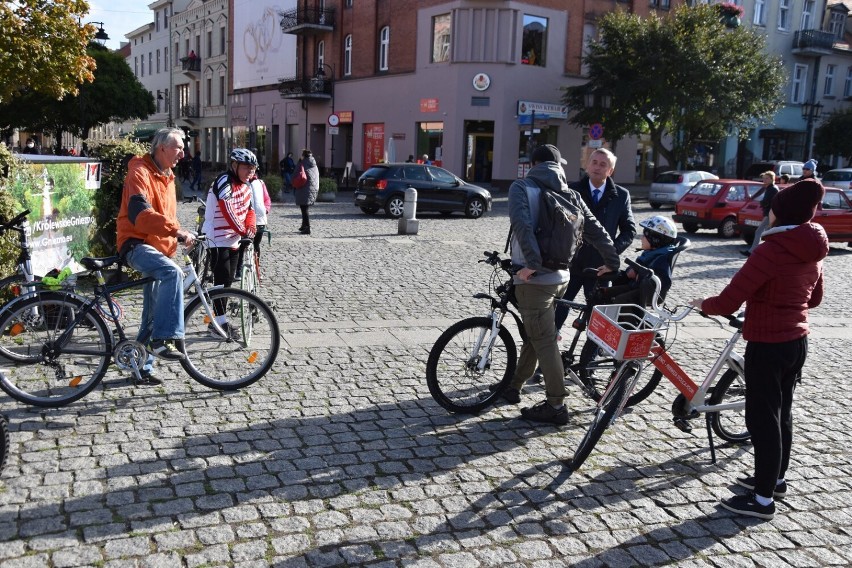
column 306, row 221
column 772, row 371
column 224, row 261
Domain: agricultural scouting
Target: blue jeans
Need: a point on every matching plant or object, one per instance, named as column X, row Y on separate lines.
column 162, row 306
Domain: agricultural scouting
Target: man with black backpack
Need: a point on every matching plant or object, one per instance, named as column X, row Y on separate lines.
column 548, row 222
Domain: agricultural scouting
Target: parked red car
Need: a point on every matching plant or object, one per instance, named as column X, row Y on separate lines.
column 834, row 214
column 713, row 204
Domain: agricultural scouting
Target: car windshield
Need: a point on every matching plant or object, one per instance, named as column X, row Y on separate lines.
column 705, row 188
column 837, row 175
column 669, row 177
column 378, row 172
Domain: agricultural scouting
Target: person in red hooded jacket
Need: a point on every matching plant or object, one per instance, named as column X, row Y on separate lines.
column 779, row 283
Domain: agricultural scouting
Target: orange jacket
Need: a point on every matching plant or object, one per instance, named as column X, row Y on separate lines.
column 148, row 206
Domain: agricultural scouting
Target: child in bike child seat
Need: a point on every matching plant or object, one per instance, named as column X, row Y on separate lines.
column 659, row 240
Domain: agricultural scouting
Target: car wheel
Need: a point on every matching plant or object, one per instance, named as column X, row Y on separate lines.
column 690, row 227
column 369, row 210
column 655, row 205
column 728, row 228
column 395, row 206
column 475, row 208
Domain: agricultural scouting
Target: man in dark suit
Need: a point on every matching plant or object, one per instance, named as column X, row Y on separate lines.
column 610, row 204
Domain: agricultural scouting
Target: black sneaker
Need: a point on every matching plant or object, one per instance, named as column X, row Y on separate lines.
column 748, row 482
column 230, row 331
column 747, row 505
column 538, row 376
column 165, row 349
column 147, row 379
column 745, row 252
column 510, row 395
column 543, row 412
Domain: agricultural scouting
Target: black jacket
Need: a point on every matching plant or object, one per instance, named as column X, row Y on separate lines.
column 613, row 212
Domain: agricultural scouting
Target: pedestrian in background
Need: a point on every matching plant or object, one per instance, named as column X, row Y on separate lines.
column 809, row 169
column 779, row 283
column 288, row 166
column 536, row 286
column 769, row 191
column 306, row 195
column 196, row 169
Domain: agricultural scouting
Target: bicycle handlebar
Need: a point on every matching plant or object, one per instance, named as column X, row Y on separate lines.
column 646, row 272
column 14, row 223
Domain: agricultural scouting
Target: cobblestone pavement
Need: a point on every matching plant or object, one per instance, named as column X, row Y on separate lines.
column 340, row 456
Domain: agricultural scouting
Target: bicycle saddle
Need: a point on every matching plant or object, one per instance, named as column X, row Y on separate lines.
column 92, row 264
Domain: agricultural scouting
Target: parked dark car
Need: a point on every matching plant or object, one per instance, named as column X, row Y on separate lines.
column 383, row 187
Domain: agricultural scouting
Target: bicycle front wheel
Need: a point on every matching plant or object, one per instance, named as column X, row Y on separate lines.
column 461, row 367
column 46, row 373
column 604, row 414
column 596, row 368
column 226, row 363
column 729, row 424
column 4, row 442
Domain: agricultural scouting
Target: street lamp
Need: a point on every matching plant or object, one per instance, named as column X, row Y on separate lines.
column 160, row 97
column 100, row 36
column 810, row 112
column 320, row 78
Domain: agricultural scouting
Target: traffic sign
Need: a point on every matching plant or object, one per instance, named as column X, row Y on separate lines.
column 333, row 119
column 596, row 131
column 332, row 130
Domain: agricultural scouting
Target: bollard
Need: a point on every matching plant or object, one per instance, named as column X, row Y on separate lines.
column 408, row 224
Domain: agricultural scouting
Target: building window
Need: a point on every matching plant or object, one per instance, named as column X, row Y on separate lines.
column 223, row 35
column 221, row 89
column 348, row 3
column 142, row 66
column 320, row 54
column 759, row 12
column 441, row 28
column 150, row 63
column 136, row 65
column 158, row 61
column 384, row 45
column 800, row 76
column 837, row 23
column 166, row 58
column 347, row 55
column 209, row 43
column 157, row 20
column 661, row 4
column 847, row 86
column 177, row 54
column 783, row 15
column 807, row 14
column 209, row 93
column 534, row 43
column 166, row 18
column 828, row 89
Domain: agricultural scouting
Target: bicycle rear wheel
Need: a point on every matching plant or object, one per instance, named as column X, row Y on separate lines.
column 729, row 424
column 596, row 368
column 452, row 371
column 604, row 414
column 47, row 374
column 221, row 362
column 4, row 442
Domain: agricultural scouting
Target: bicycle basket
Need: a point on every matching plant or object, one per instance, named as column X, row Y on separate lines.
column 625, row 331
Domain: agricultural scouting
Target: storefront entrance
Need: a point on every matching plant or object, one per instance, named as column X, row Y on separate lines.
column 479, row 151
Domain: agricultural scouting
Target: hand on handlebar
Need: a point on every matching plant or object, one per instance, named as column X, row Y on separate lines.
column 185, row 237
column 696, row 302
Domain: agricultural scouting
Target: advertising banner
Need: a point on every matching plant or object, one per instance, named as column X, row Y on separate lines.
column 374, row 143
column 60, row 198
column 263, row 54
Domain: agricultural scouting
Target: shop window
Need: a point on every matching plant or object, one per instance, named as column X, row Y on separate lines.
column 534, row 42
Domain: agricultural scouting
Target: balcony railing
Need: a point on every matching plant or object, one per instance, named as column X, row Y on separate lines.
column 189, row 111
column 815, row 41
column 307, row 20
column 190, row 64
column 301, row 88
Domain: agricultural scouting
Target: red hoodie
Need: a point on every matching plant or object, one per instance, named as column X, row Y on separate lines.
column 779, row 282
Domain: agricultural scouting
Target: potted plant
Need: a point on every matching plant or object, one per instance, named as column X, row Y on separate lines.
column 327, row 190
column 730, row 14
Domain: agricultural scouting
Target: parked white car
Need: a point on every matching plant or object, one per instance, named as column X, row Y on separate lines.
column 669, row 187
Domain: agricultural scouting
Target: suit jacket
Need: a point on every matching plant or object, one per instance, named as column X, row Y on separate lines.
column 613, row 212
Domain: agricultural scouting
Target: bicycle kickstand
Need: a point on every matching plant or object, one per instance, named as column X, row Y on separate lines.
column 710, row 438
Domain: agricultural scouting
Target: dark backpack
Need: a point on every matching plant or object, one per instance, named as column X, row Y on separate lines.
column 559, row 231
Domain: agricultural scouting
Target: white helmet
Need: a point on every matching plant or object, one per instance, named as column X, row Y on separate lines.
column 243, row 156
column 662, row 230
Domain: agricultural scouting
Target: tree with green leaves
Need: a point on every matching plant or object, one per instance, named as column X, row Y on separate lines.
column 681, row 79
column 115, row 94
column 43, row 47
column 832, row 137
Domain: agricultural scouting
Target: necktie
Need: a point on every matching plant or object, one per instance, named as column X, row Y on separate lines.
column 596, row 195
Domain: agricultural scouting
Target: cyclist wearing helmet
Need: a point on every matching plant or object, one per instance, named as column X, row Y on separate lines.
column 659, row 239
column 228, row 218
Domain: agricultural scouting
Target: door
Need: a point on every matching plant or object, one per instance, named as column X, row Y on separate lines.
column 479, row 151
column 835, row 215
column 450, row 195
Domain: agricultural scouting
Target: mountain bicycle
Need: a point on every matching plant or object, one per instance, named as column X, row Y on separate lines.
column 22, row 280
column 628, row 332
column 4, row 442
column 474, row 360
column 66, row 342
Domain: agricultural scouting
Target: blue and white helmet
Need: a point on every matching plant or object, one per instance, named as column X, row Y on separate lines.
column 660, row 231
column 243, row 156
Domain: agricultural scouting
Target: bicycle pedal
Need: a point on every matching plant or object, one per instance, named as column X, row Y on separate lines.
column 683, row 425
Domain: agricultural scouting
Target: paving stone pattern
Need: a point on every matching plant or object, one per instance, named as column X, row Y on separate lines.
column 340, row 457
